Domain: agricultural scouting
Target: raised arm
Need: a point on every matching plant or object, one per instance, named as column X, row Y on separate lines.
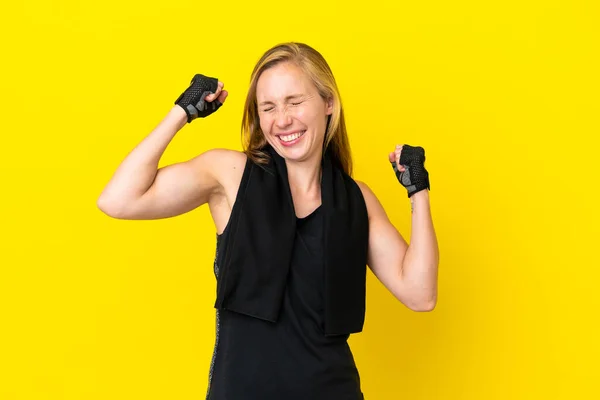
column 139, row 190
column 408, row 271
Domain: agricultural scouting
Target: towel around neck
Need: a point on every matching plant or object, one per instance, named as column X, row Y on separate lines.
column 258, row 248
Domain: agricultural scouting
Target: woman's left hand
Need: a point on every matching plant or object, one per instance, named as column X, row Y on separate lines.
column 408, row 163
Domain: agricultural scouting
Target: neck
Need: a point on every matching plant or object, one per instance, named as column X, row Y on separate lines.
column 304, row 177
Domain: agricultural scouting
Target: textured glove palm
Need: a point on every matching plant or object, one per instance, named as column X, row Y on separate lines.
column 415, row 177
column 192, row 99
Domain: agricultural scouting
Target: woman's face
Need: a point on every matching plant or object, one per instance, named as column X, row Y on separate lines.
column 293, row 116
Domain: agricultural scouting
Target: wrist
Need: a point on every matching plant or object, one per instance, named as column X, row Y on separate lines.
column 178, row 115
column 419, row 200
column 421, row 194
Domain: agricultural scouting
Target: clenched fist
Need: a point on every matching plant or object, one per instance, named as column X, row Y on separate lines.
column 204, row 96
column 408, row 163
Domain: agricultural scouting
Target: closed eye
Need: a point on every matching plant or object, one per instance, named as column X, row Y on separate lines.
column 297, row 104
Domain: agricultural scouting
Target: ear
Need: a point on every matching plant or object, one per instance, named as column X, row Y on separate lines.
column 329, row 106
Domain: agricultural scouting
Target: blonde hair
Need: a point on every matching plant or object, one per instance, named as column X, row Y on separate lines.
column 316, row 68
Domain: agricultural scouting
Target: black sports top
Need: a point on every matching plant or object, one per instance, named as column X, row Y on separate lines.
column 291, row 359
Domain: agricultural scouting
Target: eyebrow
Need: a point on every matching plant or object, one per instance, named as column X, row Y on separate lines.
column 291, row 96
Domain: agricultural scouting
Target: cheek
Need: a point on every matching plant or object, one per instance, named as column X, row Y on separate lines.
column 264, row 122
column 305, row 115
column 315, row 118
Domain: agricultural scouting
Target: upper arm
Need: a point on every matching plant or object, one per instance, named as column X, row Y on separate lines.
column 181, row 187
column 387, row 247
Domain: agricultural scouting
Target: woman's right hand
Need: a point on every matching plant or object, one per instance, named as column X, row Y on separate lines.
column 204, row 96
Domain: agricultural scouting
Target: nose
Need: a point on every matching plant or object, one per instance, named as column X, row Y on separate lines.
column 282, row 119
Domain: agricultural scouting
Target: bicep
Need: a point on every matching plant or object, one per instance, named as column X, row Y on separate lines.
column 179, row 188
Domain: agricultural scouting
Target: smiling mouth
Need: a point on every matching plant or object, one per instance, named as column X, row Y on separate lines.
column 291, row 137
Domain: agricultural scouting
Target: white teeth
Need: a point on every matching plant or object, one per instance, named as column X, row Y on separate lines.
column 289, row 138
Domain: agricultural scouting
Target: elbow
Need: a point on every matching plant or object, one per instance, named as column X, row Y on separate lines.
column 424, row 305
column 109, row 207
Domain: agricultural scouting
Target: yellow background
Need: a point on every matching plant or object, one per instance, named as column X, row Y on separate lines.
column 503, row 95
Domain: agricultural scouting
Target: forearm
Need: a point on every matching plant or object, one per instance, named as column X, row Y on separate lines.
column 420, row 264
column 137, row 171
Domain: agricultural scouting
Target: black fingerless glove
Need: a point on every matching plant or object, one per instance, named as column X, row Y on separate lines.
column 192, row 100
column 415, row 178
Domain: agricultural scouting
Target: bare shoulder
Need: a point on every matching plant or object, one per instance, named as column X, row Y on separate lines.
column 224, row 165
column 364, row 188
column 374, row 207
column 223, row 157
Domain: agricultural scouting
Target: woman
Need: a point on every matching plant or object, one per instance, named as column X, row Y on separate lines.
column 294, row 231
